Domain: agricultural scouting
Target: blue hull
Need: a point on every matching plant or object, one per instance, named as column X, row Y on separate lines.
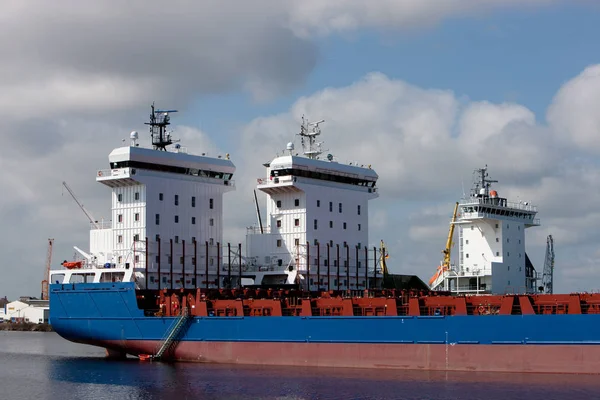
column 107, row 315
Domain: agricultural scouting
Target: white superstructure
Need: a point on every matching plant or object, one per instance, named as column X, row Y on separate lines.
column 167, row 210
column 491, row 244
column 316, row 220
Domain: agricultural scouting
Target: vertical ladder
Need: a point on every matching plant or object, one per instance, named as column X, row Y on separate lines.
column 173, row 332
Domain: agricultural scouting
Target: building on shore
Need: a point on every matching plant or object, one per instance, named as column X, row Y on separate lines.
column 26, row 310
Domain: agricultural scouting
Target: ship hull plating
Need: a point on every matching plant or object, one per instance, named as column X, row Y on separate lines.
column 581, row 359
column 107, row 315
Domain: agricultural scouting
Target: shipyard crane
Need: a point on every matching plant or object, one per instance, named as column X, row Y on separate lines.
column 47, row 270
column 94, row 223
column 447, row 250
column 548, row 273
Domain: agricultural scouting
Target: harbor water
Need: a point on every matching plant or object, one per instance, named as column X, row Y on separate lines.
column 38, row 365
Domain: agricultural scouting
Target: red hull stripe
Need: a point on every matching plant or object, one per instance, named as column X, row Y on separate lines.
column 440, row 357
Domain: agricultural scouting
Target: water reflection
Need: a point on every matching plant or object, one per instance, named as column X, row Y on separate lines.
column 43, row 366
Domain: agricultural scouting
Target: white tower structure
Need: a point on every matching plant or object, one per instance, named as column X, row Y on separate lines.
column 316, row 220
column 491, row 239
column 167, row 210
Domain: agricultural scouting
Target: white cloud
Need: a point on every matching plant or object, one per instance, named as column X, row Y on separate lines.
column 74, row 76
column 323, row 17
column 424, row 142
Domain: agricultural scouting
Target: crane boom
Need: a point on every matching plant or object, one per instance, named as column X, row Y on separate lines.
column 548, row 274
column 448, row 248
column 47, row 270
column 447, row 251
column 81, row 206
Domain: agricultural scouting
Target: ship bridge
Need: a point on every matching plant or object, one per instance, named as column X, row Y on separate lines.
column 492, row 258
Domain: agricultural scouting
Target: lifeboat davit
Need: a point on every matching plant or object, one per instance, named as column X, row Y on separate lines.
column 72, row 264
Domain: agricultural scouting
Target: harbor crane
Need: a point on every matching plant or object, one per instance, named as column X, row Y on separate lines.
column 47, row 270
column 548, row 273
column 447, row 250
column 86, row 212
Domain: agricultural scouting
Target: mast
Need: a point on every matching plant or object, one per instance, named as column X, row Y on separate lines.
column 481, row 186
column 308, row 135
column 159, row 120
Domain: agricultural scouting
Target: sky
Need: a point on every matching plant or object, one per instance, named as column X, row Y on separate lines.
column 425, row 91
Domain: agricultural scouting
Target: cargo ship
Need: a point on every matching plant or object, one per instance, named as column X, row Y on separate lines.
column 159, row 283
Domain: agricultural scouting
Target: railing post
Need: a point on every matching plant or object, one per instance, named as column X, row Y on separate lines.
column 240, row 256
column 347, row 267
column 357, row 262
column 159, row 259
column 308, row 265
column 318, row 267
column 146, row 262
column 183, row 264
column 229, row 262
column 218, row 266
column 328, row 269
column 337, row 261
column 206, row 272
column 367, row 267
column 171, row 263
column 195, row 264
column 375, row 267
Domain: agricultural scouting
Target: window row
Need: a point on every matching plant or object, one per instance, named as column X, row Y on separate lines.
column 211, row 202
column 211, row 221
column 279, row 204
column 344, row 225
column 211, row 241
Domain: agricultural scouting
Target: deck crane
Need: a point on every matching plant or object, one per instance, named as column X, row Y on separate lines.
column 447, row 250
column 548, row 273
column 94, row 223
column 47, row 270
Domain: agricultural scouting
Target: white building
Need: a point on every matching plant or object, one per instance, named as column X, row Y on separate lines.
column 491, row 239
column 172, row 200
column 26, row 310
column 314, row 208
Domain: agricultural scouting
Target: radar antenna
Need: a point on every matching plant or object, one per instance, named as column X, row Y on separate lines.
column 482, row 184
column 308, row 135
column 159, row 119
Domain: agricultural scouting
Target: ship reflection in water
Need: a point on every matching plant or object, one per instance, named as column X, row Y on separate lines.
column 43, row 366
column 98, row 378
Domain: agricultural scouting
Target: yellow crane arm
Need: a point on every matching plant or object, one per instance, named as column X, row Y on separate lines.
column 448, row 248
